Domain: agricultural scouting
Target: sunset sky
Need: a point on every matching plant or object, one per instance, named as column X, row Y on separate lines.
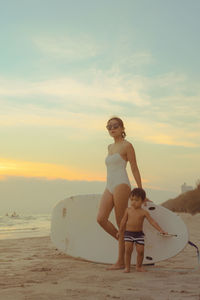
column 68, row 66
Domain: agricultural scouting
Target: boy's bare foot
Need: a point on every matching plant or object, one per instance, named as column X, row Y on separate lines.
column 116, row 266
column 126, row 271
column 140, row 269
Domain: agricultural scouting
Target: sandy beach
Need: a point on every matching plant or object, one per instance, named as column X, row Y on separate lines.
column 32, row 268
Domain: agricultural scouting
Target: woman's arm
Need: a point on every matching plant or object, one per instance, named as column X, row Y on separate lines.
column 133, row 163
column 123, row 222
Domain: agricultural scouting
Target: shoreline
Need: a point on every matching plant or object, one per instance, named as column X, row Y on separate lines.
column 24, row 238
column 31, row 268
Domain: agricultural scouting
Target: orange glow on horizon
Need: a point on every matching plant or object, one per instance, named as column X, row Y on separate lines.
column 9, row 167
column 27, row 169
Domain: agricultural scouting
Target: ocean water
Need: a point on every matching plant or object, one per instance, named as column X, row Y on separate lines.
column 23, row 226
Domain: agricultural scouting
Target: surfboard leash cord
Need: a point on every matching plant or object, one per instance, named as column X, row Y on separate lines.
column 193, row 245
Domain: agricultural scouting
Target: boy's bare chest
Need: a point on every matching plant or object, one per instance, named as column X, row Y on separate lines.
column 136, row 215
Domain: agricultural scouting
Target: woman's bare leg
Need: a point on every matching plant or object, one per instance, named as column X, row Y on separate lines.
column 120, row 196
column 105, row 208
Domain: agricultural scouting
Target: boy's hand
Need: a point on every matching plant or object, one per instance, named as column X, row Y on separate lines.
column 117, row 235
column 163, row 232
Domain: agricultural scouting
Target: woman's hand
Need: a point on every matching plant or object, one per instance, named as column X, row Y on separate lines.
column 147, row 200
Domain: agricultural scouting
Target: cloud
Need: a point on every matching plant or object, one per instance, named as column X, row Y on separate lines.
column 99, row 91
column 71, row 49
column 137, row 127
column 161, row 108
column 126, row 61
column 164, row 133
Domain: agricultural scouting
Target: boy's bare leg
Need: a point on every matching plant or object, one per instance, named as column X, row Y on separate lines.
column 128, row 253
column 140, row 257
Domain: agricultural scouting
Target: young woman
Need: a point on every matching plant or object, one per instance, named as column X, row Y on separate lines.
column 118, row 187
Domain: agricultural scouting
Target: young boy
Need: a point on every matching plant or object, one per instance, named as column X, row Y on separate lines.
column 132, row 225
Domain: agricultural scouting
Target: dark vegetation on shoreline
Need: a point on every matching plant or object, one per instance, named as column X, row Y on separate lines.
column 188, row 202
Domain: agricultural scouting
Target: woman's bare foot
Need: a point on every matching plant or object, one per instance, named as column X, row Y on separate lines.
column 140, row 269
column 126, row 270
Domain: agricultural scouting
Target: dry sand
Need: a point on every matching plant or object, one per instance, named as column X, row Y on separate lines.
column 33, row 269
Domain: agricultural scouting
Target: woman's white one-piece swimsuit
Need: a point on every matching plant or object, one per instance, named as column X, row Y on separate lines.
column 116, row 171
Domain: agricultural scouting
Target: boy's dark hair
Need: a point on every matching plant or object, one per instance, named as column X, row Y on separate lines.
column 139, row 192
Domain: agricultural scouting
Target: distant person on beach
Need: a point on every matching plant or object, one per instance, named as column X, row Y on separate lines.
column 118, row 187
column 131, row 228
column 14, row 215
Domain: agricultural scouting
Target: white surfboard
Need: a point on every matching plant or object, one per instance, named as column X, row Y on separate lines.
column 74, row 231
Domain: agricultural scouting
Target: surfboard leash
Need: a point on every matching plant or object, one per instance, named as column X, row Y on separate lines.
column 193, row 245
